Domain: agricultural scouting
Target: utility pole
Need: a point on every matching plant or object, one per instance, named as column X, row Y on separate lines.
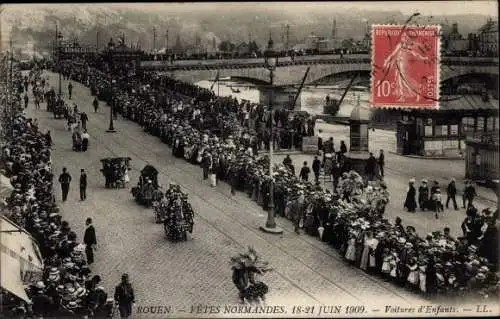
column 287, row 36
column 166, row 41
column 97, row 41
column 154, row 39
column 334, row 29
column 58, row 62
column 11, row 84
column 55, row 43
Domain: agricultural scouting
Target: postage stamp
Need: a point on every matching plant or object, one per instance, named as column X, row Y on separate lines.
column 405, row 66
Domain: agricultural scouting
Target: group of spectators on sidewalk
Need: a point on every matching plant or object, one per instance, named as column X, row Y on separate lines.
column 66, row 286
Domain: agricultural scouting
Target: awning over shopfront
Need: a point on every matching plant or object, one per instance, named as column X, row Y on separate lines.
column 10, row 276
column 19, row 244
column 6, row 187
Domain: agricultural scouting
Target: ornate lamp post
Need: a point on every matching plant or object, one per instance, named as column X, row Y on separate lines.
column 111, row 128
column 270, row 62
column 58, row 53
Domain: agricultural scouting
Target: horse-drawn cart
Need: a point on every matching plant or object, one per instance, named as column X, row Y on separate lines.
column 147, row 189
column 115, row 171
column 59, row 109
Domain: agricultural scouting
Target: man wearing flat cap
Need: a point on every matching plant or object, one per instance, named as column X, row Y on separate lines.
column 124, row 297
column 90, row 240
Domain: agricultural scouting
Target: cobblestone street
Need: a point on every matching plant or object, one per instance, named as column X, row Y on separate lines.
column 181, row 275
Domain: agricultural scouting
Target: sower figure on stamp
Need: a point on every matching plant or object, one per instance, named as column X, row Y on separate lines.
column 398, row 61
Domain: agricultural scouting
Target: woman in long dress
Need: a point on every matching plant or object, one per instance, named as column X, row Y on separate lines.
column 350, row 253
column 410, row 202
column 366, row 251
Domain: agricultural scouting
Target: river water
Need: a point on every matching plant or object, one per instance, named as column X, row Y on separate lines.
column 312, row 97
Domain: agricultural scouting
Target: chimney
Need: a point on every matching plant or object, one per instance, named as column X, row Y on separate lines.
column 454, row 28
column 334, row 29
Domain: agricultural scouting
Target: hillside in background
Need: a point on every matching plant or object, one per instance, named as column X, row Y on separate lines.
column 35, row 25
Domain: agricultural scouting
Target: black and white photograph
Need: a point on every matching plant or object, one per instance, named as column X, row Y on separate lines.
column 326, row 159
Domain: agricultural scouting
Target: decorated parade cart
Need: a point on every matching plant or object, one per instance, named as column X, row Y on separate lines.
column 115, row 171
column 176, row 214
column 147, row 190
column 50, row 97
column 244, row 267
column 59, row 109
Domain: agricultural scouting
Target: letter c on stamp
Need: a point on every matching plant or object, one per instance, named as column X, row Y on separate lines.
column 405, row 66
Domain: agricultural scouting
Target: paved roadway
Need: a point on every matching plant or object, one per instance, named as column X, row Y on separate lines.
column 197, row 271
column 399, row 170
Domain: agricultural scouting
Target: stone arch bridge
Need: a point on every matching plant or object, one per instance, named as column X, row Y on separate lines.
column 289, row 74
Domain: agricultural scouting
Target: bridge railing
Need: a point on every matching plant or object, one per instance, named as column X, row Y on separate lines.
column 286, row 61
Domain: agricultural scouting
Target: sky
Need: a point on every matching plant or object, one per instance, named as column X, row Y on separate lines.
column 408, row 7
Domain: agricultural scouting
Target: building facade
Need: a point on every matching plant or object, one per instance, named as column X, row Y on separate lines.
column 482, row 158
column 488, row 38
column 312, row 41
column 442, row 133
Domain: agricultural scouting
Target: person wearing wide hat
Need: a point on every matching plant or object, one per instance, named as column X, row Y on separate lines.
column 42, row 304
column 410, row 202
column 423, row 194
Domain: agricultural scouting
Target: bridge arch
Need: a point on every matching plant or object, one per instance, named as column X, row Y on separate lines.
column 293, row 74
column 363, row 76
column 450, row 72
column 250, row 80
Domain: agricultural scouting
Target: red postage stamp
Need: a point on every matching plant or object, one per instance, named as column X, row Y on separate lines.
column 405, row 66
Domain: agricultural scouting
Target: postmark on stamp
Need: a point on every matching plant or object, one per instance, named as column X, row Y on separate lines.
column 405, row 66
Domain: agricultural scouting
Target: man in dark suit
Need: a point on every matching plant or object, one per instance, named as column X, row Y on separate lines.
column 84, row 119
column 370, row 167
column 89, row 239
column 64, row 180
column 316, row 166
column 124, row 297
column 381, row 163
column 83, row 185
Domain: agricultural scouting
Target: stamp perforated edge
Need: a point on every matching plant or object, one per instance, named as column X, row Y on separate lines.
column 439, row 51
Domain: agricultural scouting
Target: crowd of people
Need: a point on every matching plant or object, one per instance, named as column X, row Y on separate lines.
column 209, row 131
column 66, row 287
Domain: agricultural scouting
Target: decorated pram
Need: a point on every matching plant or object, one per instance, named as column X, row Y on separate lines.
column 115, row 171
column 50, row 97
column 147, row 190
column 176, row 214
column 244, row 267
column 59, row 109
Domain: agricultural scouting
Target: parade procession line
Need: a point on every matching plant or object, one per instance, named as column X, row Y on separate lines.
column 130, row 241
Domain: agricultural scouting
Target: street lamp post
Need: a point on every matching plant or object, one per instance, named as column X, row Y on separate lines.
column 270, row 62
column 58, row 54
column 111, row 128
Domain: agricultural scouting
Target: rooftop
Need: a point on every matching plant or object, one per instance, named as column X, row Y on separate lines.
column 468, row 102
column 490, row 26
column 484, row 137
